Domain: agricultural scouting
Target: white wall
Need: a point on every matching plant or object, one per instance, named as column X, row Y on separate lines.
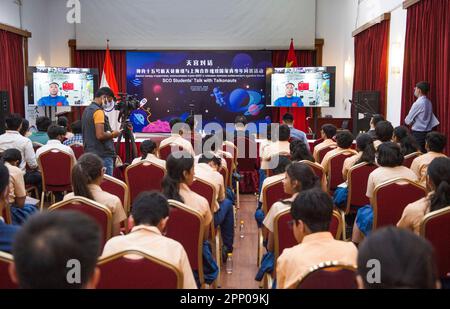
column 335, row 22
column 9, row 13
column 61, row 33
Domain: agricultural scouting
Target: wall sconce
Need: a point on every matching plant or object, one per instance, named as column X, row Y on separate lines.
column 40, row 62
column 348, row 70
column 396, row 58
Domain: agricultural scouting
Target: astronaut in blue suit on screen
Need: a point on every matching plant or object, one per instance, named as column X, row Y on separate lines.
column 289, row 100
column 53, row 99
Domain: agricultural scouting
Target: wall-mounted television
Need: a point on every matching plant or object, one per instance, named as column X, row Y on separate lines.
column 301, row 87
column 54, row 86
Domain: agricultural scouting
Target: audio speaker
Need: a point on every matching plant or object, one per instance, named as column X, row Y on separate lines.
column 4, row 109
column 365, row 105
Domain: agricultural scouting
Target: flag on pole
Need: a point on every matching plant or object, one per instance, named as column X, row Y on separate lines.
column 109, row 80
column 299, row 113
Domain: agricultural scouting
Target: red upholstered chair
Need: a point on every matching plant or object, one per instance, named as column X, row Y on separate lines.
column 318, row 170
column 390, row 199
column 224, row 172
column 56, row 170
column 247, row 162
column 324, row 151
column 410, row 158
column 183, row 219
column 435, row 227
column 100, row 213
column 357, row 178
column 231, row 148
column 120, row 189
column 329, row 275
column 335, row 166
column 5, row 281
column 78, row 150
column 230, row 167
column 143, row 176
column 337, row 225
column 166, row 150
column 134, row 269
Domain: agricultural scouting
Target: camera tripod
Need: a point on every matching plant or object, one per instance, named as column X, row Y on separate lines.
column 130, row 143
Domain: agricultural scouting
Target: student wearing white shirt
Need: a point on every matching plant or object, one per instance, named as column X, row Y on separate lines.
column 13, row 139
column 56, row 135
column 148, row 152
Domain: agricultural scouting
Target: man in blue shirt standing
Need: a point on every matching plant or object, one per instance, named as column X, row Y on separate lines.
column 53, row 99
column 288, row 119
column 289, row 100
column 421, row 116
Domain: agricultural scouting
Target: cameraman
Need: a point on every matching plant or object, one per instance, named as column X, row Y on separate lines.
column 97, row 134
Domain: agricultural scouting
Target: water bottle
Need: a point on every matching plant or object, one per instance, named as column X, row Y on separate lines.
column 241, row 229
column 229, row 266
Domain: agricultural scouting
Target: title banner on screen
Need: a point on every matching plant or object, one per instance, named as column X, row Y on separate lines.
column 217, row 85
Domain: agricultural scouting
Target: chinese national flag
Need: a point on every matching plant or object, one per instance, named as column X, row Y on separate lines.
column 109, row 80
column 298, row 113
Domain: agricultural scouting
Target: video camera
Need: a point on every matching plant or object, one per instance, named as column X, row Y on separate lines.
column 126, row 103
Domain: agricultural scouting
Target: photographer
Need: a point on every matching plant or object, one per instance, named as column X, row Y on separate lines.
column 97, row 134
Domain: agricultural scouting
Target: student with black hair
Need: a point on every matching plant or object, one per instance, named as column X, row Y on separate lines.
column 148, row 153
column 366, row 154
column 98, row 136
column 420, row 116
column 7, row 232
column 25, row 129
column 327, row 133
column 207, row 170
column 240, row 126
column 390, row 160
column 438, row 182
column 63, row 121
column 20, row 211
column 77, row 137
column 406, row 141
column 276, row 148
column 87, row 176
column 384, row 132
column 48, row 247
column 435, row 145
column 42, row 124
column 407, row 261
column 56, row 136
column 376, row 118
column 288, row 119
column 179, row 136
column 180, row 175
column 300, row 151
column 344, row 141
column 211, row 143
column 150, row 214
column 311, row 212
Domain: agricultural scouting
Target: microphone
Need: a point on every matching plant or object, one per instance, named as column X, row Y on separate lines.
column 143, row 102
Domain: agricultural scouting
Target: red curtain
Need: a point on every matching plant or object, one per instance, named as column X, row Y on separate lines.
column 427, row 57
column 96, row 59
column 12, row 77
column 371, row 61
column 304, row 58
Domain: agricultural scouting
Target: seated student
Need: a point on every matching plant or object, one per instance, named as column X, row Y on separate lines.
column 63, row 121
column 209, row 144
column 17, row 192
column 240, row 126
column 42, row 124
column 150, row 213
column 435, row 145
column 7, row 232
column 344, row 140
column 207, row 170
column 407, row 142
column 25, row 129
column 148, row 150
column 300, row 151
column 373, row 123
column 384, row 132
column 390, row 160
column 180, row 175
column 438, row 181
column 56, row 136
column 179, row 130
column 327, row 133
column 366, row 153
column 196, row 136
column 407, row 261
column 278, row 174
column 276, row 147
column 87, row 176
column 49, row 247
column 77, row 137
column 13, row 139
column 288, row 119
column 311, row 212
